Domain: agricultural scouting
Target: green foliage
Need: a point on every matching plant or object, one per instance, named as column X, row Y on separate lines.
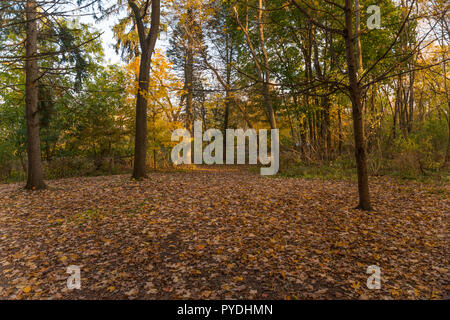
column 421, row 151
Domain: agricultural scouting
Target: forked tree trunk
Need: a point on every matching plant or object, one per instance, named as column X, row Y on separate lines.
column 355, row 94
column 35, row 180
column 147, row 44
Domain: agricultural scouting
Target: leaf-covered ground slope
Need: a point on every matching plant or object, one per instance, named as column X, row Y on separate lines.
column 220, row 234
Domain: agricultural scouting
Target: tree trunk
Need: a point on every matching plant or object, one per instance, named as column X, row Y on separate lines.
column 140, row 144
column 324, row 112
column 263, row 71
column 447, row 154
column 355, row 94
column 266, row 72
column 226, row 117
column 340, row 132
column 359, row 61
column 147, row 44
column 412, row 75
column 444, row 74
column 189, row 77
column 35, row 180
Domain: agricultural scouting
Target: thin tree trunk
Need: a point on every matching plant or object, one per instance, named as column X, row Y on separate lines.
column 263, row 71
column 355, row 94
column 35, row 180
column 411, row 96
column 444, row 67
column 447, row 153
column 189, row 77
column 359, row 61
column 324, row 113
column 340, row 132
column 227, row 88
column 229, row 56
column 266, row 72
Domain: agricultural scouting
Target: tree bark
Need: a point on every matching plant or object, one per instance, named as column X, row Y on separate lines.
column 324, row 112
column 412, row 74
column 266, row 72
column 340, row 132
column 189, row 76
column 359, row 61
column 34, row 180
column 444, row 74
column 140, row 143
column 355, row 95
column 147, row 44
column 226, row 117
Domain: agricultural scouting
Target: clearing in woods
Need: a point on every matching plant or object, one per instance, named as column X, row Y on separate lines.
column 221, row 233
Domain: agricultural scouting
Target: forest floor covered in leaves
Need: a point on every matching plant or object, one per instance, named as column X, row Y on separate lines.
column 222, row 233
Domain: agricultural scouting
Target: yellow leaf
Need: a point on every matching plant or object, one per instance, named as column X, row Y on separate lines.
column 359, row 264
column 27, row 289
column 355, row 285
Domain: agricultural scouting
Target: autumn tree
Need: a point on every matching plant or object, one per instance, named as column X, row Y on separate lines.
column 147, row 42
column 359, row 76
column 261, row 58
column 164, row 93
column 185, row 51
column 28, row 19
column 137, row 33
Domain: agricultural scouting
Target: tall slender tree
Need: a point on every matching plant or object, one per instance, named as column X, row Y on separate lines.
column 357, row 110
column 35, row 179
column 147, row 42
column 26, row 19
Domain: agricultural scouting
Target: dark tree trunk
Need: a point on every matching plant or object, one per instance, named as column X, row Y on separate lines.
column 226, row 116
column 35, row 180
column 355, row 94
column 147, row 44
column 395, row 118
column 266, row 73
column 340, row 132
column 140, row 149
column 324, row 112
column 444, row 74
column 412, row 75
column 447, row 154
column 189, row 75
